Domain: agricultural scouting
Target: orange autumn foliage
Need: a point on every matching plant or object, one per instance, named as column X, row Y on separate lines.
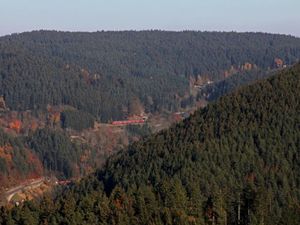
column 15, row 125
column 247, row 66
column 38, row 167
column 54, row 117
column 278, row 62
column 34, row 125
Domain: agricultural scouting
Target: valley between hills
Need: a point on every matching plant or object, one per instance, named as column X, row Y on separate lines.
column 149, row 127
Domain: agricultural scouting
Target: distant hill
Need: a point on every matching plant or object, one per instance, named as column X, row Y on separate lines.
column 102, row 73
column 234, row 162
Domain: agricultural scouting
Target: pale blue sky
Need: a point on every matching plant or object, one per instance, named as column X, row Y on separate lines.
column 275, row 16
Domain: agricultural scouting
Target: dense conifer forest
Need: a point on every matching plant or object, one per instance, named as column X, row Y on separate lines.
column 234, row 162
column 216, row 90
column 102, row 73
column 55, row 150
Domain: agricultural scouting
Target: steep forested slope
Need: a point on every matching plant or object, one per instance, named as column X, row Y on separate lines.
column 234, row 162
column 45, row 151
column 103, row 72
column 16, row 162
column 216, row 90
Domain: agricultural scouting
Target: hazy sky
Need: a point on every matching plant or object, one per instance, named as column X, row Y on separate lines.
column 276, row 16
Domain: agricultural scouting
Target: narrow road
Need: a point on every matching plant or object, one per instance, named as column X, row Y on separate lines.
column 11, row 192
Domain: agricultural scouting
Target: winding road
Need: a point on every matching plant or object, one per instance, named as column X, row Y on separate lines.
column 33, row 184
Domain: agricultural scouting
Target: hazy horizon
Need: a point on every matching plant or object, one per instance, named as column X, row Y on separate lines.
column 74, row 31
column 269, row 16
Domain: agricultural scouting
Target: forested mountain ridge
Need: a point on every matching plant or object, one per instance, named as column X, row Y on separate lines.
column 102, row 73
column 234, row 162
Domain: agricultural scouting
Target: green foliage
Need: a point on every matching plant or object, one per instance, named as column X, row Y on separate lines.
column 3, row 166
column 76, row 120
column 140, row 130
column 100, row 73
column 234, row 162
column 225, row 86
column 15, row 148
column 55, row 150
